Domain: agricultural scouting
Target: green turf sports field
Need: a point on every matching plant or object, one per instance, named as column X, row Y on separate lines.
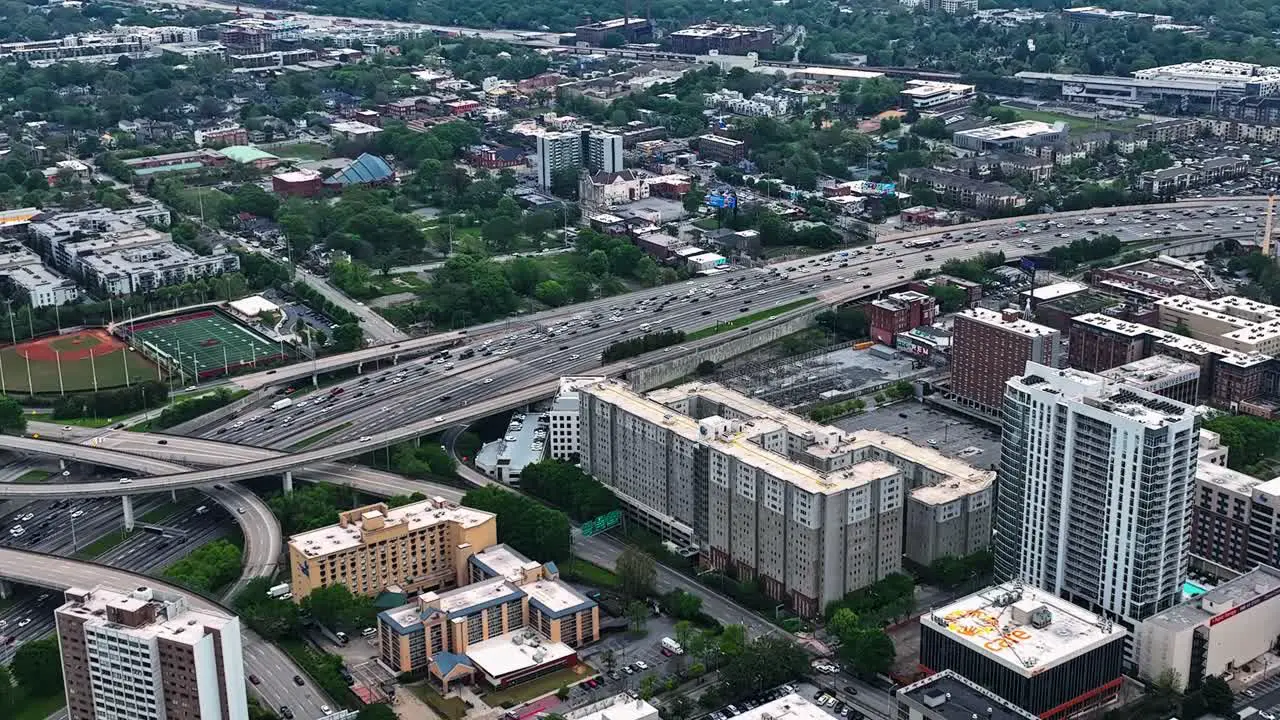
column 211, row 337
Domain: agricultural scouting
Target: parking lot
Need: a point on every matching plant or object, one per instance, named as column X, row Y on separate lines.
column 952, row 434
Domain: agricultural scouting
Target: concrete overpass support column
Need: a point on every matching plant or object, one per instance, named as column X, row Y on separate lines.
column 127, row 501
column 6, row 589
column 395, row 359
column 288, row 481
column 359, row 368
column 173, row 495
column 315, row 380
column 62, row 464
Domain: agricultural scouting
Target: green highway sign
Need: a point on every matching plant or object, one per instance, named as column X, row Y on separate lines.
column 597, row 525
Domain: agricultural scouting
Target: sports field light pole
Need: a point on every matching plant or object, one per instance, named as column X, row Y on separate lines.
column 226, row 368
column 31, row 388
column 57, row 356
column 182, row 371
column 94, row 367
column 124, row 362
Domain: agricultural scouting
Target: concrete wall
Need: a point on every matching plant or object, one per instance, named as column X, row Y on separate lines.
column 216, row 416
column 721, row 347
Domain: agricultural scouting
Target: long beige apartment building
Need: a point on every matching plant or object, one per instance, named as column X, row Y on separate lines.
column 411, row 549
column 811, row 511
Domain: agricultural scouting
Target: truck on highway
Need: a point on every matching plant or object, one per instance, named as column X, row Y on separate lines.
column 281, row 404
column 278, row 591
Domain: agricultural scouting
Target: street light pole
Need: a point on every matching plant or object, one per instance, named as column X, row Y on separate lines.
column 75, row 545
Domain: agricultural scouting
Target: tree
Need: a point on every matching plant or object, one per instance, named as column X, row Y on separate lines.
column 685, row 633
column 1218, row 698
column 208, row 568
column 11, row 418
column 273, row 618
column 1165, row 692
column 844, row 624
column 682, row 605
column 37, row 666
column 706, row 367
column 563, row 692
column 638, row 615
column 733, row 641
column 377, row 711
column 950, row 298
column 870, row 653
column 564, row 183
column 532, row 528
column 609, row 660
column 348, row 337
column 336, row 608
column 551, row 292
column 637, row 572
column 8, row 693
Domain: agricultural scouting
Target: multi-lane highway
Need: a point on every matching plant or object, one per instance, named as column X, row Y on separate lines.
column 420, row 397
column 261, row 658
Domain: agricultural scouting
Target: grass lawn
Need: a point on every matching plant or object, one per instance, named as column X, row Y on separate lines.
column 707, row 223
column 404, row 282
column 77, row 375
column 164, row 510
column 33, row 477
column 590, row 573
column 748, row 319
column 302, row 151
column 318, row 437
column 516, row 694
column 78, row 422
column 1079, row 124
column 450, row 708
column 102, row 544
column 39, row 708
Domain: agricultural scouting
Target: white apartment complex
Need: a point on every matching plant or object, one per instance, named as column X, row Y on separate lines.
column 563, row 417
column 1094, row 491
column 121, row 41
column 42, row 287
column 135, row 655
column 811, row 511
column 603, row 152
column 118, row 252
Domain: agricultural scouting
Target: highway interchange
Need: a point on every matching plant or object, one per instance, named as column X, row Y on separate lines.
column 514, row 363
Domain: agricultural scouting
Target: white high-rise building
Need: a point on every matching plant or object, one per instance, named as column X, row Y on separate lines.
column 603, row 152
column 1094, row 491
column 134, row 656
column 557, row 151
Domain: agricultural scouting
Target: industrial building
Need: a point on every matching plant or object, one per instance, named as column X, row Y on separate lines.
column 989, row 347
column 512, row 621
column 1029, row 646
column 1151, row 279
column 415, row 547
column 724, row 39
column 1122, row 92
column 1160, row 375
column 1009, row 136
column 1230, row 76
column 140, row 654
column 1216, row 633
column 809, row 511
column 930, row 96
column 1095, row 491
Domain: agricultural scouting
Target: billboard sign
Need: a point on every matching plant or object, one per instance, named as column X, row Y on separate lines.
column 864, row 187
column 722, row 201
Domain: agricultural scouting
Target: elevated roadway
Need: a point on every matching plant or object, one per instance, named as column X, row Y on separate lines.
column 513, row 382
column 273, row 667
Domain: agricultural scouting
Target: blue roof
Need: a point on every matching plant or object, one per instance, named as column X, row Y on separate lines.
column 364, row 169
column 447, row 661
column 550, row 565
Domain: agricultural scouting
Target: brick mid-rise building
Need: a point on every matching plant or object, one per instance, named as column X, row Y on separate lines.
column 899, row 313
column 1096, row 347
column 989, row 347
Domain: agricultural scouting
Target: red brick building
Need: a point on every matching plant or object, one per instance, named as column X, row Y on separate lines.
column 495, row 156
column 297, row 183
column 1100, row 342
column 989, row 347
column 899, row 313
